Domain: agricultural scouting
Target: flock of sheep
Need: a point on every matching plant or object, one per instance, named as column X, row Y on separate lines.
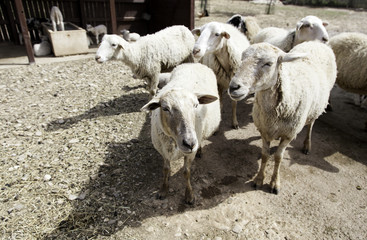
column 291, row 74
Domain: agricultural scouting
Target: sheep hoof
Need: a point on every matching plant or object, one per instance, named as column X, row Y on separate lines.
column 161, row 195
column 275, row 190
column 198, row 153
column 189, row 197
column 190, row 201
column 305, row 151
column 235, row 126
column 255, row 186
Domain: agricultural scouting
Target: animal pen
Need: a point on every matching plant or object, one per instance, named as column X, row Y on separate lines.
column 141, row 16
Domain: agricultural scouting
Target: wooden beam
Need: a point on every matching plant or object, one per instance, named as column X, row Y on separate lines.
column 24, row 28
column 113, row 16
column 192, row 14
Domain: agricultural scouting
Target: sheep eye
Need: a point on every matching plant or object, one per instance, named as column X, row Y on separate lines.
column 196, row 105
column 165, row 109
column 268, row 64
column 324, row 39
column 217, row 34
column 113, row 44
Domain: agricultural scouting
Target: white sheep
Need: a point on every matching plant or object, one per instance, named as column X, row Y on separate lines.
column 130, row 37
column 42, row 49
column 150, row 55
column 220, row 46
column 184, row 113
column 97, row 30
column 247, row 25
column 57, row 19
column 291, row 91
column 350, row 49
column 309, row 28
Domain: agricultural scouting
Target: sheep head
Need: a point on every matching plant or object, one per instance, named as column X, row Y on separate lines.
column 259, row 69
column 211, row 38
column 110, row 48
column 177, row 113
column 311, row 28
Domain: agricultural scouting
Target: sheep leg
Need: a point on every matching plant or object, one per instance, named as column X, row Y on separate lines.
column 97, row 38
column 265, row 154
column 153, row 84
column 189, row 196
column 62, row 26
column 275, row 179
column 162, row 194
column 234, row 115
column 54, row 26
column 307, row 143
column 220, row 93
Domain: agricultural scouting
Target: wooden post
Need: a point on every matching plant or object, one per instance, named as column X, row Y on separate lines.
column 82, row 14
column 113, row 16
column 192, row 14
column 24, row 28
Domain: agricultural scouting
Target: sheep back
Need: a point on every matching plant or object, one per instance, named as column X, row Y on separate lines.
column 303, row 89
column 278, row 37
column 350, row 50
column 160, row 51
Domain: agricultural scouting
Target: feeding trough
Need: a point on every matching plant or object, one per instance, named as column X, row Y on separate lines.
column 69, row 42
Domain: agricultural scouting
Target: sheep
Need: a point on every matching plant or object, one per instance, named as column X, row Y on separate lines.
column 150, row 55
column 247, row 25
column 97, row 30
column 57, row 19
column 308, row 29
column 220, row 46
column 291, row 91
column 43, row 48
column 184, row 113
column 350, row 49
column 130, row 37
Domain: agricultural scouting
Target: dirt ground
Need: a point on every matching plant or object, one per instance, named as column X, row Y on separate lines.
column 77, row 160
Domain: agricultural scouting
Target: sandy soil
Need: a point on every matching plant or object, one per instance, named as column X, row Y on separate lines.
column 77, row 161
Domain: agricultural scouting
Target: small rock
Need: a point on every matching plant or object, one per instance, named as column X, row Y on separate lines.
column 38, row 133
column 237, row 229
column 112, row 221
column 75, row 140
column 72, row 197
column 47, row 177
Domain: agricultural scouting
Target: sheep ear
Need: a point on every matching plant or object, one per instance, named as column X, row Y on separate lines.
column 151, row 105
column 289, row 57
column 325, row 23
column 196, row 31
column 205, row 98
column 235, row 20
column 226, row 35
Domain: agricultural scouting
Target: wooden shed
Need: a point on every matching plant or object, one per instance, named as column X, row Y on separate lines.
column 141, row 16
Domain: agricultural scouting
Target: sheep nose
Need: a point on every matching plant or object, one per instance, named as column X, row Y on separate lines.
column 195, row 51
column 188, row 143
column 233, row 87
column 97, row 57
column 324, row 39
